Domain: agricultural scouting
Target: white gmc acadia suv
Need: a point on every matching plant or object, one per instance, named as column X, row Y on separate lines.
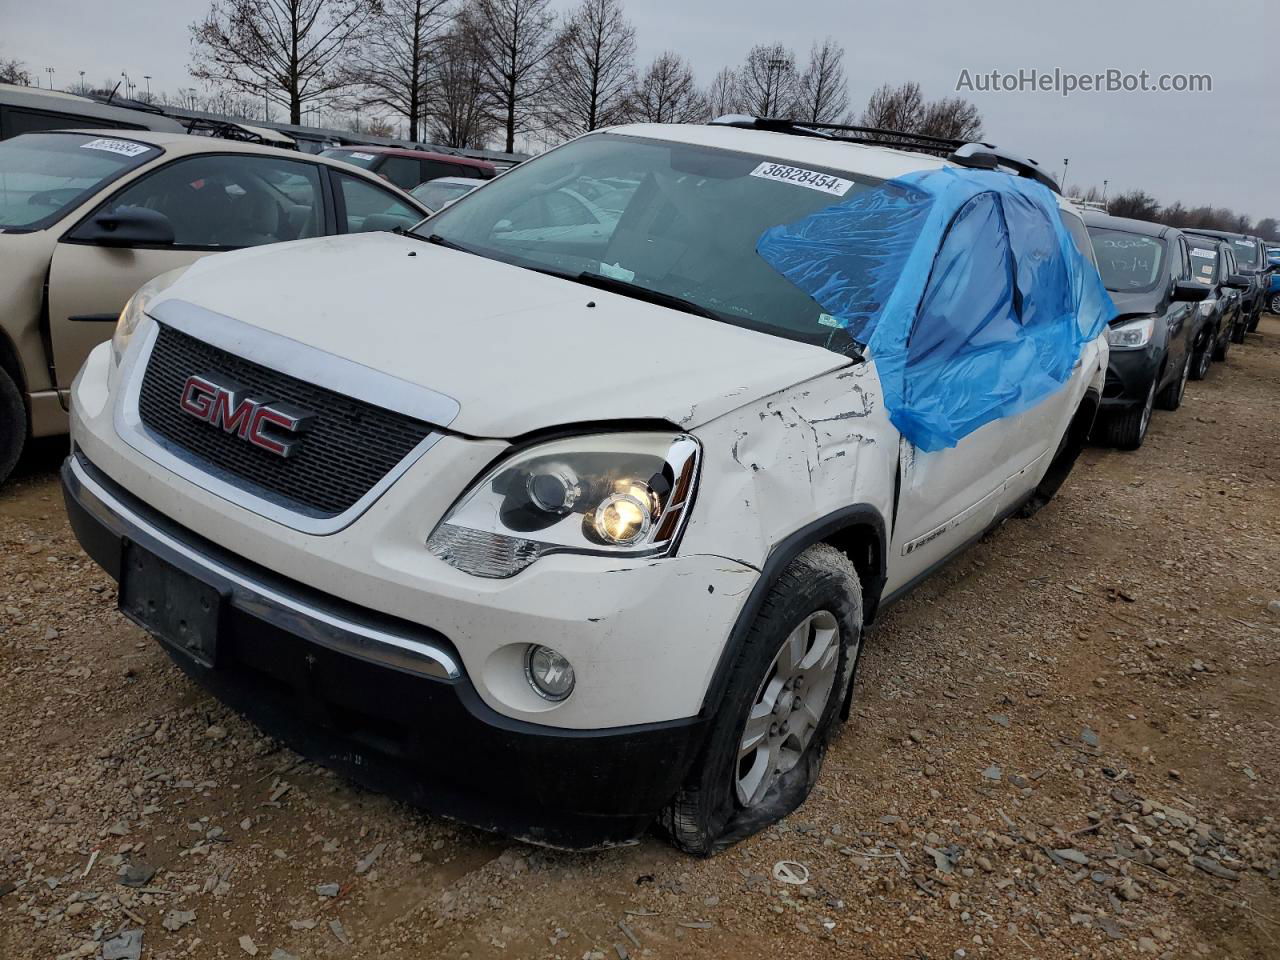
column 565, row 511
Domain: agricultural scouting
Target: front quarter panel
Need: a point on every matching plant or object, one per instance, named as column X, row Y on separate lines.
column 782, row 462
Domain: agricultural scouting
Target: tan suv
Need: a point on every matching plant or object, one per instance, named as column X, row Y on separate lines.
column 87, row 217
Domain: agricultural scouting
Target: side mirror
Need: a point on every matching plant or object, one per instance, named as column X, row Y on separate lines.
column 1188, row 291
column 1238, row 281
column 128, row 227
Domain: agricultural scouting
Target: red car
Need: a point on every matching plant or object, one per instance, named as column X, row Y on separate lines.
column 408, row 168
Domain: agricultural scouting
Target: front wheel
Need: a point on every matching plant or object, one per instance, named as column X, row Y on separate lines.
column 1204, row 355
column 1127, row 430
column 1253, row 320
column 1274, row 304
column 13, row 425
column 1222, row 345
column 1170, row 397
column 768, row 739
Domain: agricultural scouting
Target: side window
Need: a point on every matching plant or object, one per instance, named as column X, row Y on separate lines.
column 228, row 200
column 432, row 169
column 971, row 289
column 402, row 171
column 368, row 207
column 1080, row 236
column 18, row 120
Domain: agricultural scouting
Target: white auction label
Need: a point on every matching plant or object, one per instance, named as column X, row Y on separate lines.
column 801, row 177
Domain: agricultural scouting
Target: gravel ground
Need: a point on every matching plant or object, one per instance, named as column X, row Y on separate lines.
column 1065, row 745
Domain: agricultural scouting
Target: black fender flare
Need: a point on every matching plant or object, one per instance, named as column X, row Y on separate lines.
column 780, row 556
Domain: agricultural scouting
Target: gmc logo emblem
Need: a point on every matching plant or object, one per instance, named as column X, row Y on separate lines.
column 259, row 422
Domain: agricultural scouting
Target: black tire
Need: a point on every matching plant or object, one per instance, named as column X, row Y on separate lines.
column 1127, row 431
column 1238, row 331
column 706, row 815
column 1203, row 356
column 13, row 425
column 1170, row 398
column 1222, row 346
column 1253, row 321
column 1274, row 304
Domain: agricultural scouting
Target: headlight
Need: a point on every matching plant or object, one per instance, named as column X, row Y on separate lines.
column 1208, row 306
column 609, row 494
column 1132, row 335
column 134, row 311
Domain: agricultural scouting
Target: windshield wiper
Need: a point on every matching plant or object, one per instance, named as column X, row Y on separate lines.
column 439, row 241
column 640, row 292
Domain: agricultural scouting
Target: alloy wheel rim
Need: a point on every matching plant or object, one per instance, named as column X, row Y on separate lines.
column 1205, row 360
column 788, row 706
column 1146, row 410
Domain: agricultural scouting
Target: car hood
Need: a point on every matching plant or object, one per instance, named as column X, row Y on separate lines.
column 1132, row 304
column 518, row 350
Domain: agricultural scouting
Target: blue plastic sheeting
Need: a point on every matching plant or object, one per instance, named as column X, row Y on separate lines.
column 965, row 287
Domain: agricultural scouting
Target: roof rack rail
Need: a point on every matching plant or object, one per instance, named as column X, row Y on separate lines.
column 977, row 155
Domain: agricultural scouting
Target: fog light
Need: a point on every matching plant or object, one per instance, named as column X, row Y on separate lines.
column 550, row 674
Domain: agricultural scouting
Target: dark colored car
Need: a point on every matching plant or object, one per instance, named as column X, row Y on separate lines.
column 1273, row 282
column 408, row 168
column 1147, row 269
column 1213, row 264
column 1251, row 260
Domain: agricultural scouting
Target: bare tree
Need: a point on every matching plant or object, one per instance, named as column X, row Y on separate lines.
column 592, row 68
column 1268, row 229
column 459, row 112
column 515, row 40
column 723, row 95
column 391, row 65
column 15, row 72
column 823, row 95
column 953, row 117
column 286, row 51
column 667, row 93
column 895, row 108
column 767, row 82
column 1135, row 204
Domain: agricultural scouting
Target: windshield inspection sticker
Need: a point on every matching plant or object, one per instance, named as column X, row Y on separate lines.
column 1207, row 254
column 802, row 178
column 362, row 156
column 122, row 147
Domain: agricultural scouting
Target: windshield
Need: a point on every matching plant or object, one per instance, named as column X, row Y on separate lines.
column 42, row 175
column 354, row 157
column 1246, row 253
column 658, row 220
column 1128, row 262
column 1204, row 260
column 433, row 194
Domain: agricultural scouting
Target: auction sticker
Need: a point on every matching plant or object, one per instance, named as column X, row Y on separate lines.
column 1207, row 254
column 802, row 178
column 125, row 148
column 362, row 156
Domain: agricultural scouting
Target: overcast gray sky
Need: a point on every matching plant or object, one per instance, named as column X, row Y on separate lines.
column 1220, row 147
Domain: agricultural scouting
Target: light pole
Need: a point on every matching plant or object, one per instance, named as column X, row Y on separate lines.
column 1066, row 162
column 147, row 77
column 1104, row 193
column 82, row 86
column 49, row 71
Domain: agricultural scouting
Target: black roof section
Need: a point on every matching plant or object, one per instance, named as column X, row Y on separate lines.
column 1146, row 227
column 980, row 156
column 1224, row 234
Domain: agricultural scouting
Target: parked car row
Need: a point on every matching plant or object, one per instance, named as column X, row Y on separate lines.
column 566, row 509
column 1182, row 297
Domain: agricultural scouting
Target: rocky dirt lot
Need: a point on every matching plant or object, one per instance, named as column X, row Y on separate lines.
column 1066, row 745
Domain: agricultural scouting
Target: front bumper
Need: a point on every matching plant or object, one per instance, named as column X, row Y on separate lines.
column 1129, row 376
column 387, row 702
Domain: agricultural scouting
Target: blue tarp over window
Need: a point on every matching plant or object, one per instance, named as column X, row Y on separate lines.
column 965, row 287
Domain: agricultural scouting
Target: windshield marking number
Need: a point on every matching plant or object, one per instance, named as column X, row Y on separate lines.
column 802, row 178
column 122, row 147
